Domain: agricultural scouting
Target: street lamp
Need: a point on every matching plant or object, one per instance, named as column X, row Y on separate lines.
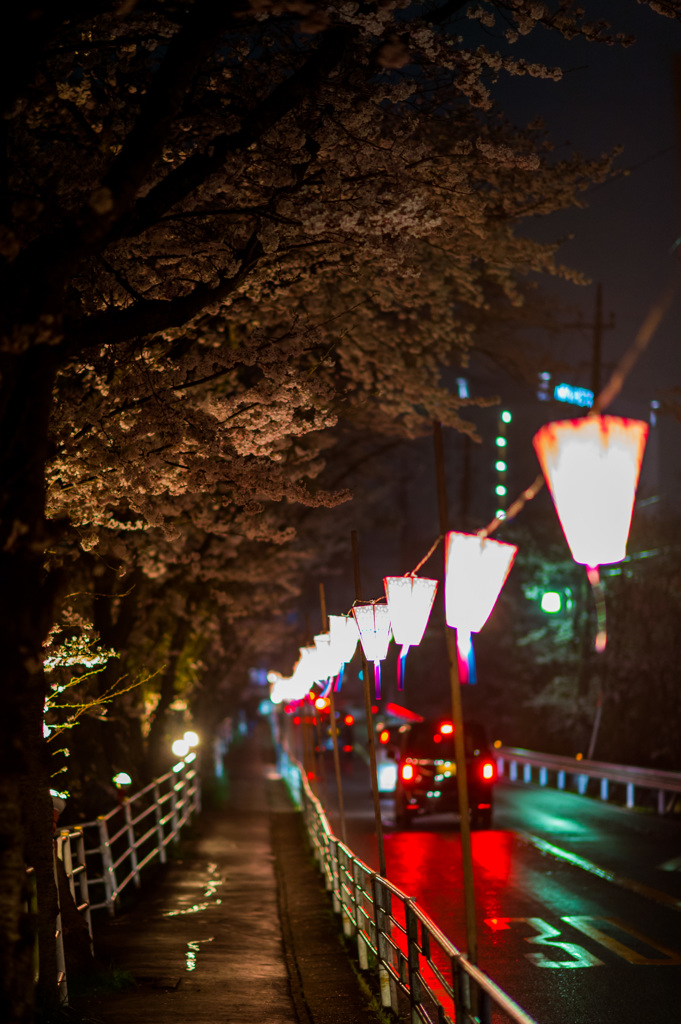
column 410, row 602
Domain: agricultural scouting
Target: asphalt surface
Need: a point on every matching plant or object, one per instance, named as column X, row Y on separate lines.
column 238, row 929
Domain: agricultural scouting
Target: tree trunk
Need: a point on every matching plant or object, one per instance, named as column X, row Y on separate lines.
column 155, row 738
column 26, row 384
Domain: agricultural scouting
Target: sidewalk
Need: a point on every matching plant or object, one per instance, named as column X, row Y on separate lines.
column 240, row 931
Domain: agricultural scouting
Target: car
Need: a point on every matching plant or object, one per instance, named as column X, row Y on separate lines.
column 426, row 772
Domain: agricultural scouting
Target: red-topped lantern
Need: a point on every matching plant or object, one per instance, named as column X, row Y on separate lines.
column 373, row 623
column 410, row 602
column 592, row 466
column 475, row 571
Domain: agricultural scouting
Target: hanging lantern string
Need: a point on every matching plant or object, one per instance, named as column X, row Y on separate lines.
column 423, row 561
column 643, row 338
column 512, row 511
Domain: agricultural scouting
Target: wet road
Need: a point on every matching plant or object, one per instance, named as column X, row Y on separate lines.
column 578, row 902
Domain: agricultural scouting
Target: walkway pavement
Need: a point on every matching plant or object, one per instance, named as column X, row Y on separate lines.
column 239, row 931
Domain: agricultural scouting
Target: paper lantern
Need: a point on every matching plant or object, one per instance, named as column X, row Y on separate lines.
column 328, row 664
column 475, row 571
column 344, row 640
column 373, row 623
column 592, row 466
column 410, row 602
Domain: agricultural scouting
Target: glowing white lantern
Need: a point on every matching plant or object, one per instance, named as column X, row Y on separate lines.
column 344, row 639
column 311, row 669
column 592, row 466
column 475, row 571
column 373, row 623
column 410, row 602
column 328, row 663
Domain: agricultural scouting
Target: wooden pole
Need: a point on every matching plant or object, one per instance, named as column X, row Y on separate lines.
column 457, row 719
column 370, row 721
column 334, row 727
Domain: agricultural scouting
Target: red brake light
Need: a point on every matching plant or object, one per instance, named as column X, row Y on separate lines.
column 349, row 719
column 383, row 736
column 488, row 770
column 407, row 772
column 446, row 728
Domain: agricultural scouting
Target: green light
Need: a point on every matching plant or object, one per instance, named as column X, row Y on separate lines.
column 506, row 416
column 500, row 514
column 500, row 442
column 550, row 602
column 500, row 466
column 500, row 490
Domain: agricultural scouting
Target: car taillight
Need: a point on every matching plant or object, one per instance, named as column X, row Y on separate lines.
column 488, row 770
column 407, row 772
column 383, row 736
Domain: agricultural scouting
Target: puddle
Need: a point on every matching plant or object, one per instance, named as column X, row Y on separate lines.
column 210, row 887
column 192, row 910
column 193, row 951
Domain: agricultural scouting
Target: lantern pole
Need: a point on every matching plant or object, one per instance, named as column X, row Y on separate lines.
column 323, row 791
column 370, row 720
column 457, row 719
column 334, row 727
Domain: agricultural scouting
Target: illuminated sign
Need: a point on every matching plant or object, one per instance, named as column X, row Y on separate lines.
column 575, row 396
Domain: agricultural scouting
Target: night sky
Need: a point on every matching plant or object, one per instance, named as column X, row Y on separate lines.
column 612, row 96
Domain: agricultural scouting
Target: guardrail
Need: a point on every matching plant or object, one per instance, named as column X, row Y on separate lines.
column 557, row 771
column 413, row 955
column 121, row 843
column 137, row 831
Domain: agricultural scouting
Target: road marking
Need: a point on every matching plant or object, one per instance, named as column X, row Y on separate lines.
column 580, row 957
column 583, row 924
column 610, row 876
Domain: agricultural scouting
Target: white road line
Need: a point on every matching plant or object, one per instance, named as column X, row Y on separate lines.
column 610, row 876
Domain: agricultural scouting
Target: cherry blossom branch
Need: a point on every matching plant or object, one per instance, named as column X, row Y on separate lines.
column 117, row 327
column 183, row 180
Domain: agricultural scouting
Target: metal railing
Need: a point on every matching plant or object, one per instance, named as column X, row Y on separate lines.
column 413, row 955
column 112, row 851
column 69, row 849
column 560, row 772
column 138, row 830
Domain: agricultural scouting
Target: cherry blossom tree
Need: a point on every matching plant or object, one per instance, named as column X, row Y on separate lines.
column 226, row 229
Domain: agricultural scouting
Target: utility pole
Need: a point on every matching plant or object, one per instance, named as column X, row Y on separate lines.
column 595, row 364
column 597, row 354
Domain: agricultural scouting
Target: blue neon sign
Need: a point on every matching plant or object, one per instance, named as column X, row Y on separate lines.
column 575, row 396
